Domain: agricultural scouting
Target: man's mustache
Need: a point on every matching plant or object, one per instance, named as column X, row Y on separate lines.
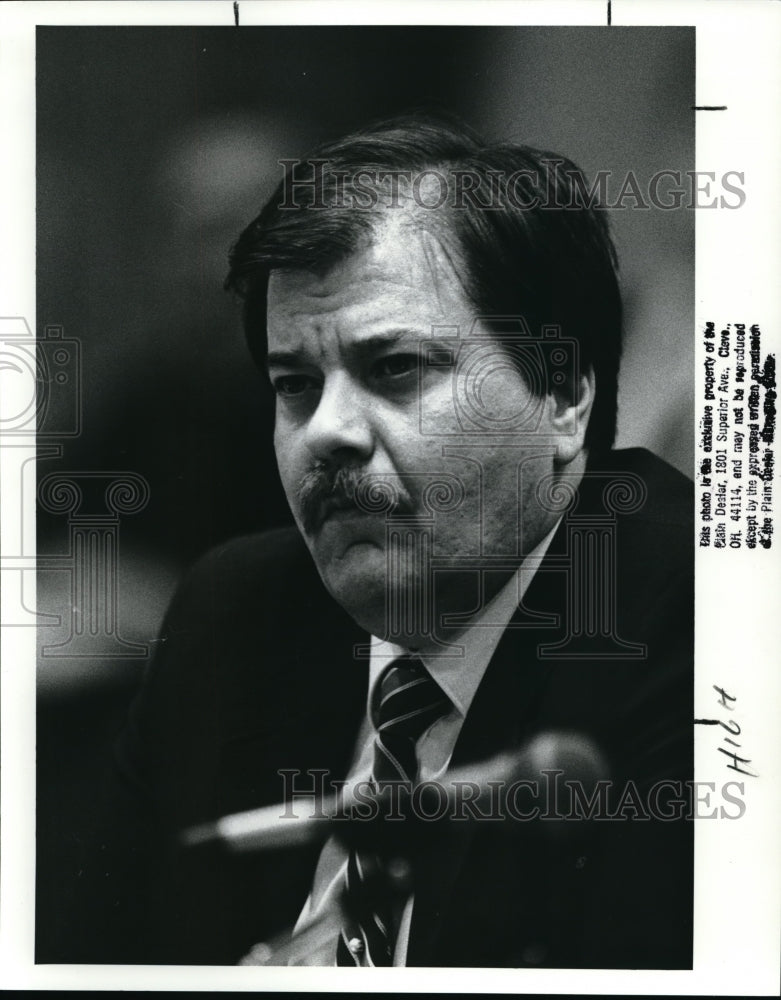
column 327, row 487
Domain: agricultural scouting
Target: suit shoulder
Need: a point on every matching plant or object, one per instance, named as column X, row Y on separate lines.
column 667, row 495
column 276, row 550
column 248, row 618
column 654, row 506
column 267, row 575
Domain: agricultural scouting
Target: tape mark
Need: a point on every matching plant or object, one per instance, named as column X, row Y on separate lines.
column 236, row 12
column 709, row 107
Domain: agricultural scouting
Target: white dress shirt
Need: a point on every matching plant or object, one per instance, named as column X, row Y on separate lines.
column 459, row 677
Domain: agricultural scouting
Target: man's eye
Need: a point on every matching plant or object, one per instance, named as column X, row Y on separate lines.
column 395, row 365
column 293, row 385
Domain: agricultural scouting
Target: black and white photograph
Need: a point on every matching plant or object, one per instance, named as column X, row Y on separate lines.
column 388, row 555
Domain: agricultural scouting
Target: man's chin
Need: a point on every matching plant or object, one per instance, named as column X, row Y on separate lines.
column 357, row 580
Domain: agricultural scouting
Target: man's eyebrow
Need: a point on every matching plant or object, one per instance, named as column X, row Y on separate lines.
column 360, row 348
column 284, row 359
column 388, row 338
column 412, row 339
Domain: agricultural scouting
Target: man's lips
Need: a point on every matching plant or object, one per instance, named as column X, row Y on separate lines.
column 344, row 520
column 332, row 506
column 336, row 508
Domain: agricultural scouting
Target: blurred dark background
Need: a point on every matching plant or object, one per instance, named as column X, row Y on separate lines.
column 155, row 147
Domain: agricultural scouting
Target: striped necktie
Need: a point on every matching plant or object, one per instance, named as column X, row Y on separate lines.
column 409, row 702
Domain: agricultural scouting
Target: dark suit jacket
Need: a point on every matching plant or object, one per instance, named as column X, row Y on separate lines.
column 255, row 672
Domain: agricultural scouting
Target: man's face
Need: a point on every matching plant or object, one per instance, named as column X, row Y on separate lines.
column 356, row 397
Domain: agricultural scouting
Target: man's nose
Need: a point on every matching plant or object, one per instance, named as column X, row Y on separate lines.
column 341, row 425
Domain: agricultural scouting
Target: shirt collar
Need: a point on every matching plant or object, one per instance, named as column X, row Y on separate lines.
column 460, row 676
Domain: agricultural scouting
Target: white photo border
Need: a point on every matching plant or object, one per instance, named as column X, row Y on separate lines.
column 738, row 868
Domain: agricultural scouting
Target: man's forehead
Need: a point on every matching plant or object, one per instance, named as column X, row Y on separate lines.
column 399, row 259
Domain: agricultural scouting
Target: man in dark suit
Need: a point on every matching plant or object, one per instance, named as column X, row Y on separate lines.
column 440, row 323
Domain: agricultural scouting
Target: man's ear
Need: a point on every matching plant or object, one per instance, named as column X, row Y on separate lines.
column 569, row 416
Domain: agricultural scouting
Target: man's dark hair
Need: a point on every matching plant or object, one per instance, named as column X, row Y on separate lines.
column 531, row 238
